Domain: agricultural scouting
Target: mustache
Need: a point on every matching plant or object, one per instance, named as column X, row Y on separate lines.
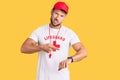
column 53, row 23
column 56, row 19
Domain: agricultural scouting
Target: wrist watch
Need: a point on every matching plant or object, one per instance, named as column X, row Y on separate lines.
column 70, row 58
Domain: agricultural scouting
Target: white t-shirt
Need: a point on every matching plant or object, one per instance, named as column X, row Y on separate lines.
column 48, row 67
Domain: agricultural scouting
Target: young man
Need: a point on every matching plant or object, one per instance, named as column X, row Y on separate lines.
column 52, row 42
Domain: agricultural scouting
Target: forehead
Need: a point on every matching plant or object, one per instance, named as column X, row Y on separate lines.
column 59, row 11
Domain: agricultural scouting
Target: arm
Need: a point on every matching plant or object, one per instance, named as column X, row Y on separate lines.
column 80, row 54
column 30, row 46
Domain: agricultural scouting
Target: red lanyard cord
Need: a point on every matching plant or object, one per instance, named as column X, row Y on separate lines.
column 55, row 39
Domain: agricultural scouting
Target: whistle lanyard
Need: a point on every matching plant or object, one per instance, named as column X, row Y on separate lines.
column 50, row 54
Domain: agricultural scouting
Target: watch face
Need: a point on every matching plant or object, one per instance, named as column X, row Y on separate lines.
column 70, row 58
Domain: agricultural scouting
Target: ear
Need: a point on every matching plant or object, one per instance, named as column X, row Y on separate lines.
column 52, row 11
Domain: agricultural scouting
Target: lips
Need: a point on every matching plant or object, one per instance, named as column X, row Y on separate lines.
column 55, row 21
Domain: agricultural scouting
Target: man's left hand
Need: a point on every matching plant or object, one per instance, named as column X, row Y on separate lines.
column 64, row 64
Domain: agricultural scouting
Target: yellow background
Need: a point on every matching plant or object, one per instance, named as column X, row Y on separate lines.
column 96, row 22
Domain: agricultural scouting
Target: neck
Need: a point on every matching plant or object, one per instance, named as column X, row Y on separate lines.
column 55, row 27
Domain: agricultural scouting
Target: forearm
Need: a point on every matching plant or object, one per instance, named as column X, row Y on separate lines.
column 31, row 49
column 79, row 55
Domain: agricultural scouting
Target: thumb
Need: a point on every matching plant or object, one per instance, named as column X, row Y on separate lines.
column 54, row 48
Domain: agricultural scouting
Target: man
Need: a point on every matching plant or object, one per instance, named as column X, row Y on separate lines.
column 52, row 41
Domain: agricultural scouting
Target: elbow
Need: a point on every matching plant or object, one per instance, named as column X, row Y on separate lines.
column 85, row 54
column 25, row 51
column 22, row 50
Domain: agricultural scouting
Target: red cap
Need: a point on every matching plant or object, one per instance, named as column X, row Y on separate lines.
column 61, row 6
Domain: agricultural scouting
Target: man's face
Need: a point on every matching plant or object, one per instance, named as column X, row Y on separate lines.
column 57, row 16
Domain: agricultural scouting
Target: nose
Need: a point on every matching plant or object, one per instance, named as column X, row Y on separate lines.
column 57, row 17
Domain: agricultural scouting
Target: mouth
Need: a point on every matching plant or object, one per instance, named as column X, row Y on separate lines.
column 56, row 21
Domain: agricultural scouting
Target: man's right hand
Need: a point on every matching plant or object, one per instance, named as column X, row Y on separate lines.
column 48, row 47
column 30, row 46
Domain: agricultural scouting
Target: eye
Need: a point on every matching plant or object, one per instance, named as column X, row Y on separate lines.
column 62, row 15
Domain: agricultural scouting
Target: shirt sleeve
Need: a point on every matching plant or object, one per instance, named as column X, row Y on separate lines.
column 73, row 38
column 34, row 36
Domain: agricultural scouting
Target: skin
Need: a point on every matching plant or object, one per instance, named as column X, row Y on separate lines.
column 30, row 46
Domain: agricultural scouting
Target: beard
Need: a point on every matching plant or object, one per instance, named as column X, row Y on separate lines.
column 54, row 24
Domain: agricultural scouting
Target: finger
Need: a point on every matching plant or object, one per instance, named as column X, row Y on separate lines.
column 62, row 65
column 66, row 64
column 54, row 48
column 59, row 67
column 47, row 51
column 50, row 49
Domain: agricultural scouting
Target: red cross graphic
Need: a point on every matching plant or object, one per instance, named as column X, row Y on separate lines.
column 56, row 45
